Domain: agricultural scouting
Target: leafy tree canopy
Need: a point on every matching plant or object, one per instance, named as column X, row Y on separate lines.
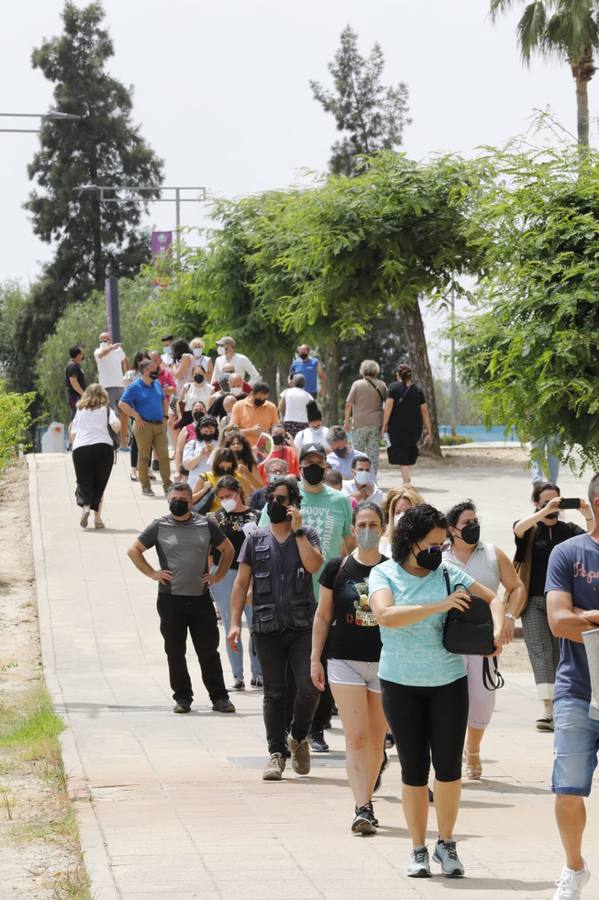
column 531, row 347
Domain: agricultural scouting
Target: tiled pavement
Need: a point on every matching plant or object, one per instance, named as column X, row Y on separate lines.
column 173, row 807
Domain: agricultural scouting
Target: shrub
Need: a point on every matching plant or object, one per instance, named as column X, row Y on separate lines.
column 452, row 440
column 15, row 420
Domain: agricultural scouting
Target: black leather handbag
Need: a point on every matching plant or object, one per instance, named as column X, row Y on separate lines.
column 470, row 632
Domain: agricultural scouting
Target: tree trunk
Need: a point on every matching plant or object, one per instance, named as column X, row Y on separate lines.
column 582, row 72
column 269, row 375
column 331, row 366
column 414, row 330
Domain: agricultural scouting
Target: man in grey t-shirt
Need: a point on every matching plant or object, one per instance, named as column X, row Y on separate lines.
column 183, row 541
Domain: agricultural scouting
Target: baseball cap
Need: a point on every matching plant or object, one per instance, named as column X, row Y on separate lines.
column 313, row 448
column 227, row 339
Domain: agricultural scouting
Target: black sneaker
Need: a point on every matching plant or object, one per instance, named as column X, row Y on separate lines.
column 238, row 685
column 223, row 705
column 317, row 742
column 379, row 777
column 155, row 465
column 371, row 808
column 363, row 822
column 257, row 681
column 182, row 707
column 148, row 492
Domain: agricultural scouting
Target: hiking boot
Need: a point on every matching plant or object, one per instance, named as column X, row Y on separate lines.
column 419, row 865
column 300, row 755
column 148, row 491
column 182, row 707
column 318, row 743
column 274, row 768
column 571, row 883
column 446, row 854
column 363, row 822
column 223, row 705
column 379, row 777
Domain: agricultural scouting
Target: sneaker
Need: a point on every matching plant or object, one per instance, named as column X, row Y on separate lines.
column 155, row 465
column 238, row 685
column 274, row 768
column 257, row 681
column 419, row 865
column 371, row 808
column 148, row 491
column 571, row 883
column 318, row 743
column 379, row 777
column 182, row 707
column 363, row 822
column 545, row 723
column 300, row 755
column 124, row 449
column 446, row 854
column 223, row 705
column 84, row 517
column 151, row 476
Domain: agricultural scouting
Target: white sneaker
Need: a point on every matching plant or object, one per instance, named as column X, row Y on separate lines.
column 571, row 883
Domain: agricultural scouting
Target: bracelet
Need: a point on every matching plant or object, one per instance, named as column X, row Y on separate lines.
column 511, row 616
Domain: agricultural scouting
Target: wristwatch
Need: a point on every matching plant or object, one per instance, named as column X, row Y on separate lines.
column 300, row 532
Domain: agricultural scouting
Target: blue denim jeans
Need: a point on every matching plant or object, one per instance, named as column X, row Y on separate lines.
column 575, row 746
column 544, row 452
column 222, row 597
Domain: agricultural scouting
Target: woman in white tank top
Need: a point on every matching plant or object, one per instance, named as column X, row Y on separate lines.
column 490, row 566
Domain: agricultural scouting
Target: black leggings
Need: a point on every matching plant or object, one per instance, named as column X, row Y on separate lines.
column 425, row 722
column 93, row 466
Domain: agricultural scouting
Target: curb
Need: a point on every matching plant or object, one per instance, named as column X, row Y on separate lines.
column 93, row 846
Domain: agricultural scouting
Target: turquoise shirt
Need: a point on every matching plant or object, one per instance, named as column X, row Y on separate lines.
column 415, row 655
column 329, row 512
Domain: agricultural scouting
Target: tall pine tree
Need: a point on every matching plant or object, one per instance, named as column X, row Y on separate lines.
column 104, row 147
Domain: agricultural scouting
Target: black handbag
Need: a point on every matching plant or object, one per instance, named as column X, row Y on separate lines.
column 470, row 632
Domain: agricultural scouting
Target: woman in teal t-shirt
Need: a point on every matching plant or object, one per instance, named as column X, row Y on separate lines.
column 424, row 687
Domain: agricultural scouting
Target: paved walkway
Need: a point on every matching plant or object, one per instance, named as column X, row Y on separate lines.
column 173, row 807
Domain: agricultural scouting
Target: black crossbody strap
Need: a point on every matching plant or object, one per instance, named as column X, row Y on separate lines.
column 447, row 582
column 372, row 384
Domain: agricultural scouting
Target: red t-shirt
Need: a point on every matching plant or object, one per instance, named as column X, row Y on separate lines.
column 290, row 458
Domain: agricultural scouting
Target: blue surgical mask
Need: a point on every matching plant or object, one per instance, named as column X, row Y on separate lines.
column 367, row 538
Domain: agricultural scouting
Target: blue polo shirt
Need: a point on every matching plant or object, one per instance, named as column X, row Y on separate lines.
column 309, row 369
column 146, row 399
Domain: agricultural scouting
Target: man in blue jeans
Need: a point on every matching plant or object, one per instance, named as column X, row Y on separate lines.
column 572, row 588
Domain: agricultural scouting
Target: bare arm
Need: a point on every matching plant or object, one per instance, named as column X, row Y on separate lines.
column 323, row 377
column 522, row 526
column 565, row 621
column 241, row 586
column 387, row 409
column 381, row 603
column 426, row 417
column 515, row 592
column 224, row 564
column 320, row 631
column 136, row 555
column 347, row 416
column 75, row 385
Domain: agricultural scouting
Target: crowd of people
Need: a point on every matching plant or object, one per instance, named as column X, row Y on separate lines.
column 353, row 598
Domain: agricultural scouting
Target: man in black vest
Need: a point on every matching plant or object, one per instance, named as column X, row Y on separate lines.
column 279, row 562
column 183, row 541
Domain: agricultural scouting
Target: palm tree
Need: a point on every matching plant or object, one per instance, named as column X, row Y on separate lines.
column 568, row 29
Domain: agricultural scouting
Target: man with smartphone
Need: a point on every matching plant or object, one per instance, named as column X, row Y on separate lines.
column 278, row 562
column 573, row 607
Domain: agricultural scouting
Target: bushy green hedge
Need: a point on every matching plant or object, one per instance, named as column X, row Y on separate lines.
column 15, row 421
column 452, row 440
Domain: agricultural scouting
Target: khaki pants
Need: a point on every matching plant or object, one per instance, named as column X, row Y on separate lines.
column 148, row 437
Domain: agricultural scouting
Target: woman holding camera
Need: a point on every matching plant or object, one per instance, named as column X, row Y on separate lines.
column 536, row 536
column 424, row 686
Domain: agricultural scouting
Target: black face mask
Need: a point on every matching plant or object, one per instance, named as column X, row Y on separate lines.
column 429, row 559
column 198, row 378
column 221, row 472
column 303, row 355
column 277, row 512
column 313, row 474
column 470, row 533
column 153, row 375
column 278, row 439
column 179, row 507
column 259, row 401
column 207, row 437
column 341, row 452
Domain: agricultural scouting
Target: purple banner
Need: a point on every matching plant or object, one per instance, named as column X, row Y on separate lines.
column 161, row 243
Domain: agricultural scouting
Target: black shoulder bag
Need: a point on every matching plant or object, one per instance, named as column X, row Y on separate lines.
column 112, row 435
column 470, row 632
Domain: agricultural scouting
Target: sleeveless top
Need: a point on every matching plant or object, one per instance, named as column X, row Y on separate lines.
column 482, row 565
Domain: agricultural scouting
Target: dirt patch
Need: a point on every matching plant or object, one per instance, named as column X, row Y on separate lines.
column 39, row 851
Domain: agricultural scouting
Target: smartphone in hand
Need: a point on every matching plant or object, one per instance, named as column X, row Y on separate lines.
column 569, row 503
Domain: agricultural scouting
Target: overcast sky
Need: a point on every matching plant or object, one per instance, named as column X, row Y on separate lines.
column 221, row 89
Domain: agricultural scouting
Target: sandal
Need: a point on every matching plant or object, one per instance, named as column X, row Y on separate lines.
column 133, row 477
column 474, row 767
column 545, row 723
column 99, row 524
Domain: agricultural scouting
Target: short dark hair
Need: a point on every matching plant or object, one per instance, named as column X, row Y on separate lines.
column 336, row 433
column 230, row 483
column 540, row 486
column 292, row 487
column 312, row 411
column 363, row 457
column 363, row 507
column 412, row 527
column 180, row 486
column 74, row 351
column 261, row 387
column 404, row 372
column 333, row 477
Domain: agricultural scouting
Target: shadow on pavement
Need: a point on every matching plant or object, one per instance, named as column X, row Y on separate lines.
column 504, row 787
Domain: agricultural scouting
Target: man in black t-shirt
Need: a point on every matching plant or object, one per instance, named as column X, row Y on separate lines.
column 74, row 379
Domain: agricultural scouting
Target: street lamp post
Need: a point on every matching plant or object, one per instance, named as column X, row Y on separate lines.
column 454, row 387
column 53, row 115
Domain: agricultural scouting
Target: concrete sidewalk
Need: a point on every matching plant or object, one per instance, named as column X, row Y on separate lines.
column 174, row 807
